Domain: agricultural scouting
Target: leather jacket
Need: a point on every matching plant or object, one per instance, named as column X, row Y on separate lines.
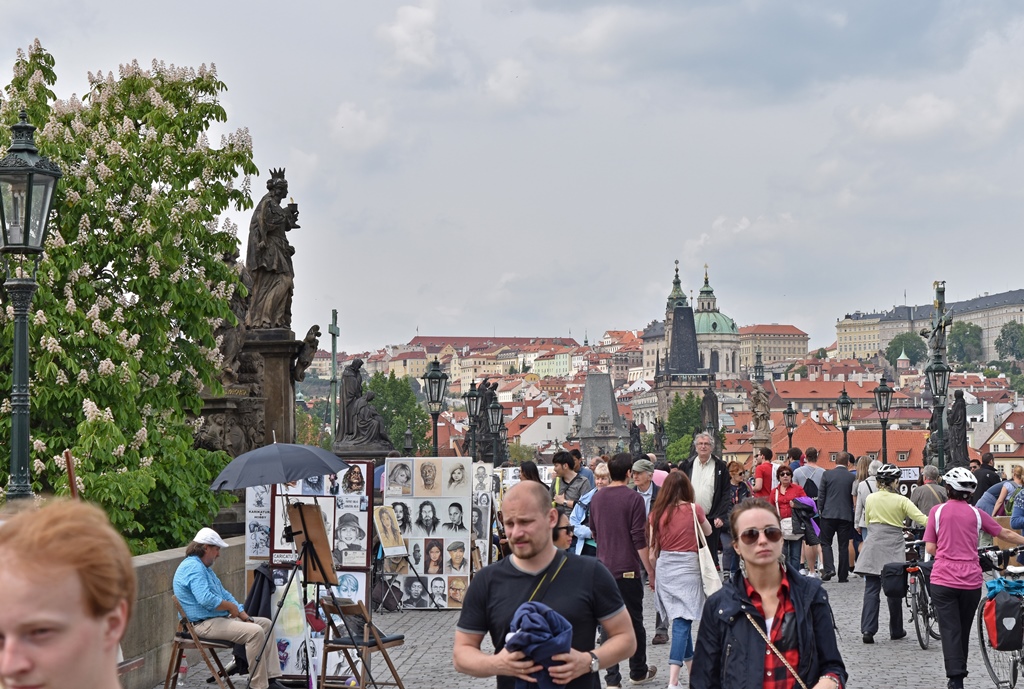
column 730, row 652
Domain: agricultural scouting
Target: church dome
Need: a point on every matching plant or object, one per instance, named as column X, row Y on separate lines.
column 713, row 323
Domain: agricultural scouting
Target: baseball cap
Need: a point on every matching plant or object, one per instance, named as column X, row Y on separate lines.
column 644, row 465
column 208, row 536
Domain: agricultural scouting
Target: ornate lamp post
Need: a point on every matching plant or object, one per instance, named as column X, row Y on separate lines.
column 503, row 436
column 790, row 417
column 938, row 380
column 495, row 415
column 759, row 368
column 844, row 405
column 883, row 398
column 435, row 382
column 472, row 399
column 408, row 439
column 27, row 183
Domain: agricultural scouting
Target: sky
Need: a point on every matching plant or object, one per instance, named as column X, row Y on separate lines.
column 535, row 167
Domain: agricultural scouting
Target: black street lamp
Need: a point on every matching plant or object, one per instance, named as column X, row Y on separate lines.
column 472, row 399
column 883, row 398
column 408, row 439
column 435, row 382
column 790, row 417
column 503, row 436
column 495, row 415
column 938, row 380
column 27, row 183
column 844, row 405
column 759, row 368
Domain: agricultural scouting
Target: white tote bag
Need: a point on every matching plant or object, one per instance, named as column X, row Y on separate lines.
column 708, row 573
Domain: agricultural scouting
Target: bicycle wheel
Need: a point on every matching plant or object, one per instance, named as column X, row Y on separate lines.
column 1001, row 665
column 919, row 611
column 933, row 624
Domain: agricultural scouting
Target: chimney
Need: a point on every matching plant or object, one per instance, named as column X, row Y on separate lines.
column 529, row 413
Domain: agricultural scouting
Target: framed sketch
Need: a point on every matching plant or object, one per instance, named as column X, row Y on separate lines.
column 398, row 477
column 428, row 477
column 387, row 530
column 353, row 532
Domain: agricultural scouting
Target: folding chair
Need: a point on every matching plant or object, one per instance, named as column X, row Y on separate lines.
column 186, row 638
column 368, row 640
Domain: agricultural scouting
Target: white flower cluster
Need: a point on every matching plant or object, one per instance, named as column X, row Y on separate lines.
column 240, row 139
column 62, row 378
column 38, row 445
column 106, row 368
column 165, row 308
column 93, row 313
column 154, row 268
column 140, row 437
column 94, row 413
column 50, row 344
column 174, row 377
column 38, row 466
column 61, row 464
column 71, row 306
column 79, row 484
column 100, row 328
column 39, row 318
column 119, row 451
column 118, row 315
column 5, row 406
column 146, row 462
column 83, row 377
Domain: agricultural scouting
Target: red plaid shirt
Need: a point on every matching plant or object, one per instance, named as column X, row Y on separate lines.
column 776, row 676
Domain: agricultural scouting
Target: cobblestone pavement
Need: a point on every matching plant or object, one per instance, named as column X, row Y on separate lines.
column 424, row 662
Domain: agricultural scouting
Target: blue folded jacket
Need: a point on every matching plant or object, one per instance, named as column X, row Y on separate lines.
column 540, row 633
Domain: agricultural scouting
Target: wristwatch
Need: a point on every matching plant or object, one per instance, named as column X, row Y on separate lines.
column 595, row 664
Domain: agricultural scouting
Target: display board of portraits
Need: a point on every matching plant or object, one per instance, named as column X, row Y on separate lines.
column 441, row 517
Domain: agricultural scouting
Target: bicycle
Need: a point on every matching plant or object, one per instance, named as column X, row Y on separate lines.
column 1004, row 667
column 922, row 610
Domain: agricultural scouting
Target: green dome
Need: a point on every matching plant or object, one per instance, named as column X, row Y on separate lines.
column 713, row 323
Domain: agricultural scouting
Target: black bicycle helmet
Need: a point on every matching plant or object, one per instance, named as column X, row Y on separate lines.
column 888, row 473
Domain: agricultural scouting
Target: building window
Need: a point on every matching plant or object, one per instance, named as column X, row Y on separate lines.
column 833, row 456
column 902, row 456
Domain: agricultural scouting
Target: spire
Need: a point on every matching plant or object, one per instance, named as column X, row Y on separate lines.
column 676, row 296
column 707, row 301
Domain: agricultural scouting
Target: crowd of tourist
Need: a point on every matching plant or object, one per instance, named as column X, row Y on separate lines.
column 775, row 531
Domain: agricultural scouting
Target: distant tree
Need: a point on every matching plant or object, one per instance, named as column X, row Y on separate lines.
column 912, row 343
column 964, row 343
column 512, row 370
column 647, row 442
column 396, row 403
column 310, row 429
column 683, row 417
column 1010, row 343
column 799, row 371
column 680, row 449
column 821, row 353
column 518, row 454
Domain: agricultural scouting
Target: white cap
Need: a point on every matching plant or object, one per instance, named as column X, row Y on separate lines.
column 210, row 537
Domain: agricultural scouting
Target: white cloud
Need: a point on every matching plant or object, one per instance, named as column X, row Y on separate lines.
column 919, row 117
column 412, row 37
column 357, row 130
column 508, row 82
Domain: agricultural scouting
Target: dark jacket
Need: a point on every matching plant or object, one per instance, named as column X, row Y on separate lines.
column 987, row 477
column 835, row 496
column 720, row 506
column 730, row 653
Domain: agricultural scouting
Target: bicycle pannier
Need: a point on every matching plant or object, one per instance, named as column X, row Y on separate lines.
column 894, row 580
column 1002, row 615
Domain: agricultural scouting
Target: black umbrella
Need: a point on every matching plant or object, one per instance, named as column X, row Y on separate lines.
column 277, row 463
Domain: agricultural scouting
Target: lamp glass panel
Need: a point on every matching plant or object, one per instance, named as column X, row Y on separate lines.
column 14, row 190
column 42, row 191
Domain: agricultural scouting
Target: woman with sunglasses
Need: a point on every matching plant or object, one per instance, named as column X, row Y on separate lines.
column 673, row 555
column 769, row 600
column 782, row 496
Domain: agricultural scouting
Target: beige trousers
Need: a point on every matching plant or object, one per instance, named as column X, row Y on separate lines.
column 252, row 635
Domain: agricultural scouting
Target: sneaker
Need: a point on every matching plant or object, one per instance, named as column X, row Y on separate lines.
column 804, row 571
column 651, row 672
column 814, row 575
column 659, row 639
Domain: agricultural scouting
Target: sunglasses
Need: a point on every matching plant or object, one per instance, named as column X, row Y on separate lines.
column 772, row 533
column 784, row 473
column 567, row 529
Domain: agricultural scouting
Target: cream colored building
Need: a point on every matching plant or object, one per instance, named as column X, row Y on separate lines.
column 858, row 335
column 776, row 343
column 718, row 338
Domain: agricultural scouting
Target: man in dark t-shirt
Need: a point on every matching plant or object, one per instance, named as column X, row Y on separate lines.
column 582, row 591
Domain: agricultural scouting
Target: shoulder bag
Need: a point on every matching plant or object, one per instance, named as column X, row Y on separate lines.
column 776, row 651
column 708, row 572
column 787, row 523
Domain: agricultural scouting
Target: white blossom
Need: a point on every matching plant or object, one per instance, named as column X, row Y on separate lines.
column 91, row 410
column 106, row 368
column 62, row 378
column 38, row 445
column 119, row 451
column 5, row 406
column 51, row 344
column 38, row 466
column 80, row 484
column 39, row 318
column 146, row 462
column 83, row 377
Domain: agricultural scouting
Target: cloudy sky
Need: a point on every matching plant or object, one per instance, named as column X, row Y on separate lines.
column 534, row 167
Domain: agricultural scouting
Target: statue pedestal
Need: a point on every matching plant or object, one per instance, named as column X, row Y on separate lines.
column 760, row 440
column 278, row 349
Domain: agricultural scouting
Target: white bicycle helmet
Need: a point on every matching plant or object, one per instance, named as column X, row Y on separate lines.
column 887, row 473
column 961, row 480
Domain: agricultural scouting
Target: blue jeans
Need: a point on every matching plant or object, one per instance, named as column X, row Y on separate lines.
column 681, row 650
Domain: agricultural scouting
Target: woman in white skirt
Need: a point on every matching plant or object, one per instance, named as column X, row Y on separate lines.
column 673, row 552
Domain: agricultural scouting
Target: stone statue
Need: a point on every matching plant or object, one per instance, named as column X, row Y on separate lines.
column 369, row 424
column 941, row 320
column 956, row 431
column 269, row 257
column 351, row 390
column 761, row 410
column 659, row 432
column 233, row 336
column 635, row 445
column 709, row 410
column 306, row 352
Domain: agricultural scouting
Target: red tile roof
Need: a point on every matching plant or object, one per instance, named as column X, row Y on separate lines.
column 773, row 329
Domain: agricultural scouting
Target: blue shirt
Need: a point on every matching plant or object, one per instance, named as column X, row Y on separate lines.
column 586, row 473
column 199, row 590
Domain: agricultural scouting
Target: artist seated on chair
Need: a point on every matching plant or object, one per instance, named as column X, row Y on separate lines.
column 216, row 614
column 67, row 586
